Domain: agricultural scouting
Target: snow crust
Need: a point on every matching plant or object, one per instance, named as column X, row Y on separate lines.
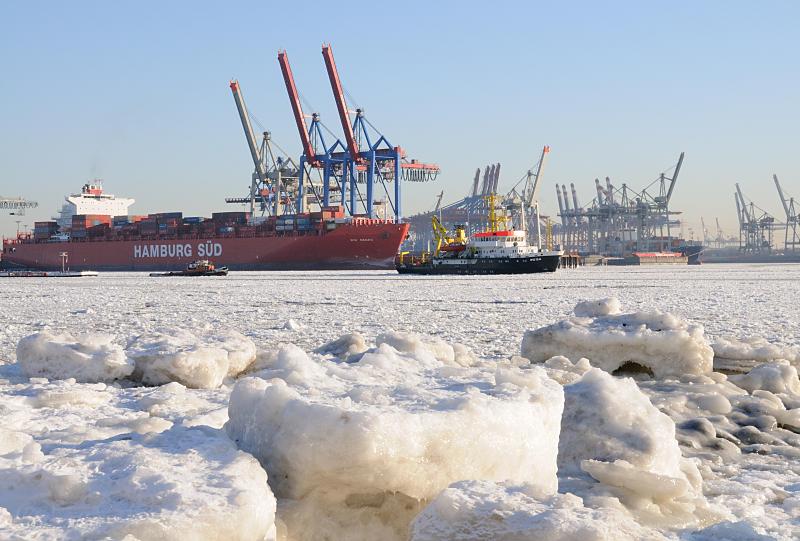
column 200, row 360
column 82, row 461
column 362, row 445
column 662, row 342
column 479, row 510
column 88, row 358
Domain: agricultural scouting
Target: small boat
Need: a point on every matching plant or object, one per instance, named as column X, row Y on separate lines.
column 201, row 267
column 498, row 250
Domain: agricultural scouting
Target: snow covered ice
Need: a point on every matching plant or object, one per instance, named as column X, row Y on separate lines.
column 343, row 437
column 192, row 408
column 659, row 341
column 88, row 358
column 196, row 359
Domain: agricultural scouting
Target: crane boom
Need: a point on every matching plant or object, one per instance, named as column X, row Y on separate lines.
column 740, row 212
column 674, row 177
column 439, row 233
column 560, row 205
column 341, row 104
column 745, row 215
column 574, row 196
column 297, row 109
column 783, row 198
column 537, row 179
column 248, row 132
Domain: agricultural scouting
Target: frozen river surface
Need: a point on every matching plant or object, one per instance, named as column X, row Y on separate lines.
column 72, row 451
column 488, row 314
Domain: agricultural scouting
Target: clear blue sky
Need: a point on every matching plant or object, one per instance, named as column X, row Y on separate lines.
column 137, row 93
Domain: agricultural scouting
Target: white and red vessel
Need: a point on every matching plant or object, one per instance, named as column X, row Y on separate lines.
column 495, row 251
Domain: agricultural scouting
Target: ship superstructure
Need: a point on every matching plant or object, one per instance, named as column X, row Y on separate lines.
column 92, row 200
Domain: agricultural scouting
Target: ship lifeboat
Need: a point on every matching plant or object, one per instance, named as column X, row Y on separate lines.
column 453, row 248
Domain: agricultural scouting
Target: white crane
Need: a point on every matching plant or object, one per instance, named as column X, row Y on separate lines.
column 792, row 239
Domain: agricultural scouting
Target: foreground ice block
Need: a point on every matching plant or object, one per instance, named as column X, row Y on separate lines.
column 612, row 432
column 659, row 341
column 390, row 430
column 483, row 510
column 89, row 358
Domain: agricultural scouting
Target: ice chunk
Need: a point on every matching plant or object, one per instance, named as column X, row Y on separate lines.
column 659, row 341
column 360, row 441
column 292, row 325
column 599, row 307
column 611, row 431
column 779, row 377
column 241, row 349
column 292, row 365
column 482, row 510
column 180, row 484
column 753, row 348
column 198, row 360
column 450, row 354
column 345, row 347
column 87, row 358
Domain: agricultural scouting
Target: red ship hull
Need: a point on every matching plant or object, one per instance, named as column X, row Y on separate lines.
column 349, row 246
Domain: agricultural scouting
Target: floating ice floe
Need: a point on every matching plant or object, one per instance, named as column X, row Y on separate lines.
column 482, row 510
column 89, row 358
column 600, row 307
column 201, row 359
column 292, row 325
column 447, row 353
column 612, row 432
column 754, row 348
column 345, row 347
column 354, row 449
column 779, row 377
column 661, row 342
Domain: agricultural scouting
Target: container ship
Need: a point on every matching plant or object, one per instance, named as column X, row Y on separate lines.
column 322, row 240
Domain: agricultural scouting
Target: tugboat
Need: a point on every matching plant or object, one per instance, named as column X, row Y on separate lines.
column 201, row 267
column 495, row 251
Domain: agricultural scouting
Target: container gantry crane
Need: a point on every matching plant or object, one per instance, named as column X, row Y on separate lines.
column 16, row 205
column 370, row 158
column 792, row 238
column 272, row 175
column 755, row 231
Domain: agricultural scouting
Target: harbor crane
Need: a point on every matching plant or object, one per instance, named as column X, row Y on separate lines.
column 366, row 157
column 755, row 230
column 16, row 205
column 620, row 219
column 705, row 231
column 791, row 239
column 272, row 174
